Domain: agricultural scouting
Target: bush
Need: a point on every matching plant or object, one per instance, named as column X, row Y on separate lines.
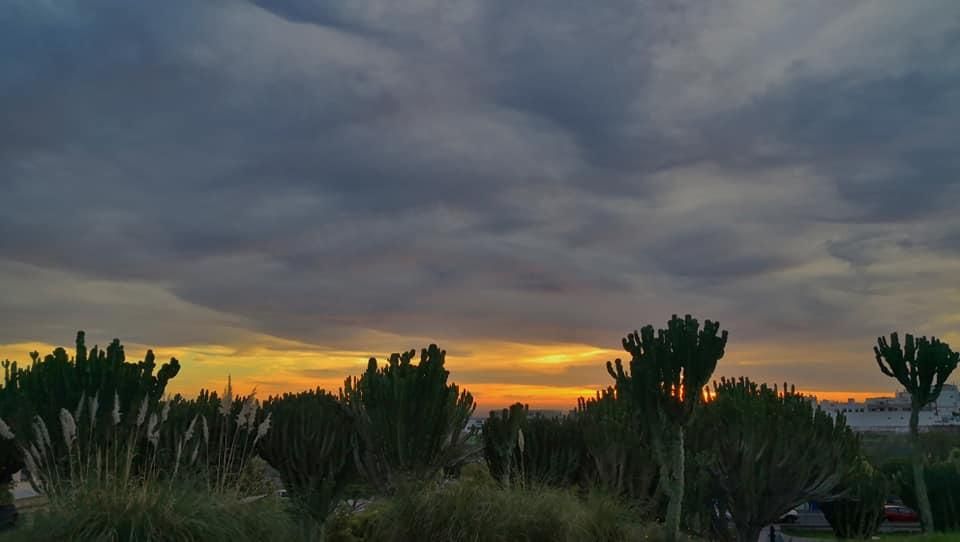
column 457, row 512
column 943, row 489
column 159, row 512
column 858, row 513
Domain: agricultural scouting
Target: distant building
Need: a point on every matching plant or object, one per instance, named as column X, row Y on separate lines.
column 893, row 413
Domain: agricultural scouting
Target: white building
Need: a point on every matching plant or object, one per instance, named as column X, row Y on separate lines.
column 893, row 413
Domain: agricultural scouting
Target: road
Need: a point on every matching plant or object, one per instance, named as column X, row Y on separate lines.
column 816, row 521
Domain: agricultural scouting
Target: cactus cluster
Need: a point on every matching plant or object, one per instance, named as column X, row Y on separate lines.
column 311, row 444
column 57, row 381
column 410, row 421
column 772, row 450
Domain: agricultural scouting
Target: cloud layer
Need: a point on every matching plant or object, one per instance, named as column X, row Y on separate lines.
column 539, row 173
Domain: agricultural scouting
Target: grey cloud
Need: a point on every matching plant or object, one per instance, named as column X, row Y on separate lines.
column 479, row 169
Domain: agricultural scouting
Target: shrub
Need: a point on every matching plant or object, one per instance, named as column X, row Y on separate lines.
column 943, row 489
column 456, row 512
column 158, row 512
column 858, row 512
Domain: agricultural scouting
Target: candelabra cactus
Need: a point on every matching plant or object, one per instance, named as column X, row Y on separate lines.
column 409, row 419
column 668, row 371
column 922, row 367
column 771, row 451
column 310, row 443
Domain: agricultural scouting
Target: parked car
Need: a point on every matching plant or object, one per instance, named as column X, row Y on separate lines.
column 789, row 517
column 899, row 513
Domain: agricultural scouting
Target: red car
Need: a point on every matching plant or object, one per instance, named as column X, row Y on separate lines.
column 897, row 513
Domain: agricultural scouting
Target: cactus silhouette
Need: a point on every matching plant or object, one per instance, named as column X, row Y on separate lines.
column 668, row 371
column 409, row 420
column 772, row 450
column 56, row 381
column 310, row 443
column 922, row 367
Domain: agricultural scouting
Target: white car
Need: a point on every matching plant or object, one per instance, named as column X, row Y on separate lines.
column 790, row 517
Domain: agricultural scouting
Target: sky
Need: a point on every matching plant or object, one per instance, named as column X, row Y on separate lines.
column 277, row 190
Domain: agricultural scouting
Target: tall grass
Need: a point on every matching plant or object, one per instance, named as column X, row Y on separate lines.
column 181, row 511
column 125, row 482
column 472, row 512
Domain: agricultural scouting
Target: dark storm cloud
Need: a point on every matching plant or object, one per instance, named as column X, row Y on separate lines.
column 539, row 172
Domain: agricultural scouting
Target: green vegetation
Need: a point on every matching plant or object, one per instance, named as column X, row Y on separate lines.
column 388, row 458
column 465, row 512
column 858, row 510
column 668, row 371
column 409, row 420
column 761, row 469
column 160, row 512
column 310, row 442
column 922, row 366
column 533, row 450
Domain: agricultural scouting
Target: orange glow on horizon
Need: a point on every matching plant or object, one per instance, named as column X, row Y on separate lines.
column 272, row 366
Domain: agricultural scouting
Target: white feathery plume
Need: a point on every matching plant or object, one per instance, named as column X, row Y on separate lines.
column 80, row 405
column 263, row 428
column 190, row 429
column 196, row 451
column 252, row 419
column 69, row 426
column 226, row 404
column 115, row 414
column 151, row 425
column 43, row 436
column 205, row 429
column 5, row 431
column 142, row 414
column 247, row 412
column 36, row 453
column 165, row 412
column 31, row 465
column 94, row 407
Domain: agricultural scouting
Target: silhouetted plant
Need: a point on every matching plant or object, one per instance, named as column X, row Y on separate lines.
column 771, row 451
column 101, row 378
column 943, row 488
column 533, row 450
column 668, row 370
column 310, row 443
column 922, row 367
column 501, row 436
column 410, row 421
column 858, row 511
column 618, row 459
